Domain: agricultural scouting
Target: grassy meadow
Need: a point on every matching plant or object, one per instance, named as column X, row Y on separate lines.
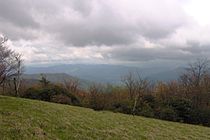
column 30, row 119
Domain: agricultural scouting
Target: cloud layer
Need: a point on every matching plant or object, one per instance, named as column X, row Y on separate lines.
column 104, row 31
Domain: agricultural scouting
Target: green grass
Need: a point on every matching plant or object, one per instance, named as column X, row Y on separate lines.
column 30, row 119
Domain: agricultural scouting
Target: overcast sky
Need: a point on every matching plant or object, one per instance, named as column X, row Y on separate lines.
column 131, row 32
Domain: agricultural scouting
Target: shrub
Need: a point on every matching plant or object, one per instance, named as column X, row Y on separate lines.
column 144, row 109
column 166, row 113
column 182, row 107
column 52, row 93
column 123, row 107
column 62, row 99
column 200, row 116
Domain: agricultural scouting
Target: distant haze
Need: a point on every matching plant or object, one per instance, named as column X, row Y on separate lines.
column 105, row 73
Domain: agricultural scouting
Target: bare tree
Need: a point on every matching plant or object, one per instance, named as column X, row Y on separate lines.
column 141, row 87
column 96, row 100
column 130, row 84
column 72, row 85
column 195, row 78
column 196, row 72
column 18, row 71
column 136, row 86
column 6, row 66
column 10, row 64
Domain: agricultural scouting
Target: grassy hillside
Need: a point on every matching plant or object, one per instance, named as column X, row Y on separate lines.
column 30, row 119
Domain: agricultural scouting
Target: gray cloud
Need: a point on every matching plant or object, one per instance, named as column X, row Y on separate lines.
column 104, row 25
column 95, row 22
column 17, row 13
column 148, row 54
column 82, row 35
column 196, row 47
column 84, row 7
column 102, row 28
column 99, row 30
column 16, row 33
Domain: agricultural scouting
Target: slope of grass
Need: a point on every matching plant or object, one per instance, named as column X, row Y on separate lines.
column 30, row 119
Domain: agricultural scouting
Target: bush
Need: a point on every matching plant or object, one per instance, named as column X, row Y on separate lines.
column 182, row 107
column 52, row 93
column 62, row 99
column 144, row 109
column 149, row 99
column 200, row 116
column 123, row 107
column 166, row 113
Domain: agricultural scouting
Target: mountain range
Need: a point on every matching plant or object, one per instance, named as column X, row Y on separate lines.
column 102, row 73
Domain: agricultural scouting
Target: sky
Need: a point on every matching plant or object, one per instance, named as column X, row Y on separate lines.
column 122, row 32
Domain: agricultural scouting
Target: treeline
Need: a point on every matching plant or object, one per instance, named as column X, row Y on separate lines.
column 184, row 100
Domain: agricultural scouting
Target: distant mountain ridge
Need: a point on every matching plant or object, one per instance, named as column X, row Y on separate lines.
column 55, row 78
column 105, row 73
column 167, row 75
